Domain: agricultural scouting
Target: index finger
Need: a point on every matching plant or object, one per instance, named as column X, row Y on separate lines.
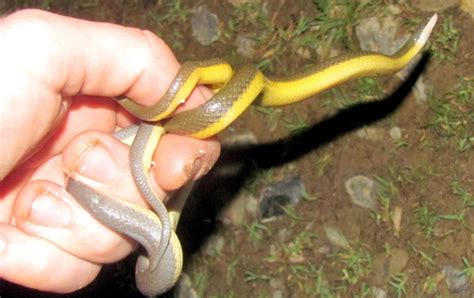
column 46, row 56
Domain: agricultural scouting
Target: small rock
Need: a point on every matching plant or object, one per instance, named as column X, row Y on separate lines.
column 422, row 90
column 394, row 9
column 278, row 287
column 385, row 266
column 398, row 260
column 252, row 206
column 296, row 258
column 395, row 133
column 234, row 213
column 281, row 194
column 436, row 5
column 455, row 279
column 241, row 139
column 372, row 134
column 246, row 46
column 380, row 274
column 213, row 245
column 205, row 25
column 336, row 237
column 277, row 284
column 379, row 293
column 379, row 34
column 272, row 206
column 284, row 235
column 362, row 191
column 324, row 250
column 184, row 288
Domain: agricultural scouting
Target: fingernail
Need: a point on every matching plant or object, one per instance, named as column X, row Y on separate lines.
column 96, row 162
column 50, row 211
column 197, row 164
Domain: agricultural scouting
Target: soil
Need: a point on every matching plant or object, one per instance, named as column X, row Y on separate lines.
column 423, row 171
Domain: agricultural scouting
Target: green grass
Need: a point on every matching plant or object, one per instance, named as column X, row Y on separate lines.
column 356, row 264
column 398, row 283
column 200, row 279
column 256, row 277
column 272, row 116
column 369, row 89
column 322, row 164
column 296, row 124
column 468, row 269
column 231, row 271
column 386, row 192
column 454, row 115
column 445, row 40
column 302, row 241
column 427, row 218
column 256, row 231
column 171, row 12
column 425, row 258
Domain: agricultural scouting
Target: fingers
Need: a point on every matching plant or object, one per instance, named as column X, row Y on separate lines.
column 47, row 267
column 46, row 210
column 61, row 230
column 56, row 56
column 179, row 160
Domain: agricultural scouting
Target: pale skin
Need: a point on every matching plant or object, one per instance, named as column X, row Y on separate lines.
column 47, row 241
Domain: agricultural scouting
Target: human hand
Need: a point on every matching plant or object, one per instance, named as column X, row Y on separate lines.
column 47, row 241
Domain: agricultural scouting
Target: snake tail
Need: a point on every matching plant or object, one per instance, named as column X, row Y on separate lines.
column 321, row 77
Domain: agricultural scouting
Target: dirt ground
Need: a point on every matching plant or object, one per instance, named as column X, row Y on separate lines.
column 425, row 176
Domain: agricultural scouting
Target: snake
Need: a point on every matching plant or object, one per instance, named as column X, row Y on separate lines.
column 159, row 266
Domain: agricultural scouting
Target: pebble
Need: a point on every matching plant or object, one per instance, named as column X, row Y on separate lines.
column 246, row 46
column 385, row 266
column 205, row 25
column 240, row 139
column 362, row 191
column 378, row 293
column 436, row 5
column 235, row 212
column 278, row 287
column 398, row 260
column 395, row 133
column 394, row 9
column 184, row 288
column 336, row 237
column 284, row 235
column 379, row 34
column 213, row 246
column 455, row 279
column 284, row 193
column 370, row 133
